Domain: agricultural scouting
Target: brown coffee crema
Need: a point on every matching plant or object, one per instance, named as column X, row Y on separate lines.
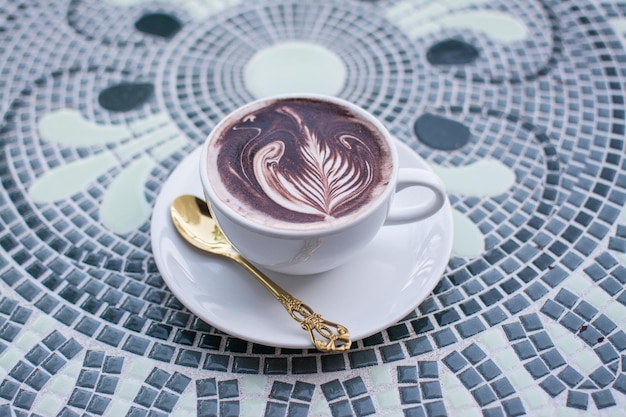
column 300, row 161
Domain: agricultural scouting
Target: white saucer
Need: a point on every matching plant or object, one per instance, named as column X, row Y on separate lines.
column 382, row 285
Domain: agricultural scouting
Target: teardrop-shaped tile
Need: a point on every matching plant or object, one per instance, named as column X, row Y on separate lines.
column 468, row 241
column 66, row 180
column 70, row 128
column 452, row 52
column 469, row 179
column 125, row 96
column 124, row 207
column 499, row 26
column 441, row 133
column 158, row 24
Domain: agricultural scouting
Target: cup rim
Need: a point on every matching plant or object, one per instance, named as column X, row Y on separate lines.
column 234, row 216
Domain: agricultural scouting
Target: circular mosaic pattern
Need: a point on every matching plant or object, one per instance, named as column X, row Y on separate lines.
column 71, row 225
column 528, row 154
column 138, row 25
column 516, row 43
column 557, row 214
column 549, row 107
column 204, row 71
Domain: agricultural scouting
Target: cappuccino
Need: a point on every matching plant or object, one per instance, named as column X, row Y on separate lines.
column 298, row 163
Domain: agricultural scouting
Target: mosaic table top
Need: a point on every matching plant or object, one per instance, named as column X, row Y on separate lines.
column 519, row 106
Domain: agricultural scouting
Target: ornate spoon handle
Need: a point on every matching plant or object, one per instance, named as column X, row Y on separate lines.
column 325, row 335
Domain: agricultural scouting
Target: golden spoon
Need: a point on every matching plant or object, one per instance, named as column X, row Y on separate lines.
column 193, row 221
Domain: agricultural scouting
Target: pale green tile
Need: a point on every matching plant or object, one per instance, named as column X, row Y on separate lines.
column 126, row 191
column 468, row 241
column 61, row 385
column 616, row 312
column 128, row 388
column 73, row 367
column 25, row 341
column 42, row 325
column 555, row 330
column 66, row 180
column 417, row 21
column 69, row 127
column 252, row 408
column 457, row 400
column 294, row 66
column 535, row 398
column 586, row 361
column 253, row 385
column 449, row 381
column 598, row 297
column 188, row 399
column 578, row 284
column 466, row 179
column 381, row 375
column 8, row 359
column 520, row 379
column 493, row 340
column 48, row 404
column 506, row 359
column 472, row 412
column 455, row 394
column 139, row 368
column 503, row 27
column 388, row 399
column 567, row 345
column 117, row 408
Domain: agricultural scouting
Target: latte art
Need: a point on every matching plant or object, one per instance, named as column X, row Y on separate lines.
column 299, row 161
column 327, row 180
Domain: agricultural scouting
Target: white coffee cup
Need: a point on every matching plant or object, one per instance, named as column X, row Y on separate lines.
column 291, row 247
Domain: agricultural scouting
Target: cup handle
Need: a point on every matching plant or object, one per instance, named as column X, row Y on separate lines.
column 413, row 177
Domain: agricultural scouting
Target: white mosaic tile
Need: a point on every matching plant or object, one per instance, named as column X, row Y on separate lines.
column 48, row 404
column 254, row 385
column 118, row 407
column 8, row 359
column 387, row 400
column 535, row 398
column 128, row 388
column 381, row 375
column 252, row 408
column 457, row 396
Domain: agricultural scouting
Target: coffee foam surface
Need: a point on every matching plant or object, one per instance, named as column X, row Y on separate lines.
column 299, row 164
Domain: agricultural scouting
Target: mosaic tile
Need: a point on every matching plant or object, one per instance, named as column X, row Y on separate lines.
column 558, row 98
